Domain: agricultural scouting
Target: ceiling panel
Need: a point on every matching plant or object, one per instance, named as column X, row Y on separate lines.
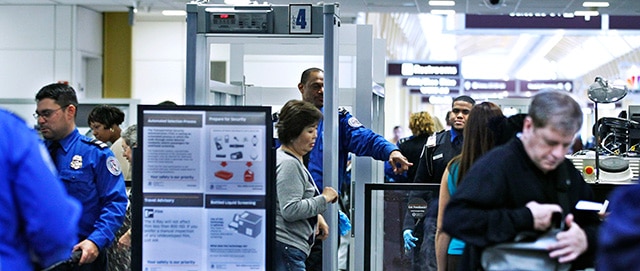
column 617, row 7
column 476, row 43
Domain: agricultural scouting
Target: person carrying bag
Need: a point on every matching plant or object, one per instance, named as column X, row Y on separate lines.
column 529, row 249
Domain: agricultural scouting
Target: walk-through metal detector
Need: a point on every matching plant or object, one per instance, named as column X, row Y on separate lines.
column 240, row 31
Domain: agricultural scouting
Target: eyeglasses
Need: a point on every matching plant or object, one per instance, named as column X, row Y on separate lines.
column 458, row 110
column 47, row 112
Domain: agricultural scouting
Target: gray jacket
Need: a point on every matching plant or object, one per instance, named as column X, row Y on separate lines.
column 299, row 203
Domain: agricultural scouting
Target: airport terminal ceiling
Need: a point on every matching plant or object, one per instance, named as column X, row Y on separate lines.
column 413, row 34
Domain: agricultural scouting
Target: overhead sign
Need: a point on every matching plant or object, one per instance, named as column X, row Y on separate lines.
column 410, row 69
column 536, row 85
column 489, row 85
column 531, row 21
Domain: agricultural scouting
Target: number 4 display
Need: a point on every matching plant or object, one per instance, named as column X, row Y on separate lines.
column 300, row 19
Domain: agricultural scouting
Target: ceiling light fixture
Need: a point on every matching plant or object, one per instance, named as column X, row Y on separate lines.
column 595, row 4
column 443, row 12
column 439, row 3
column 586, row 13
column 237, row 2
column 174, row 12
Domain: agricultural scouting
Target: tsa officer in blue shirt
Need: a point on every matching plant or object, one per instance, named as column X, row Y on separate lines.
column 36, row 214
column 352, row 137
column 89, row 171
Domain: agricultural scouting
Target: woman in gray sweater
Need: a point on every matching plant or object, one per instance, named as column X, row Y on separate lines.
column 300, row 204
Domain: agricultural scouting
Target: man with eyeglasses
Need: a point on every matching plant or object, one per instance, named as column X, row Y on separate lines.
column 88, row 170
column 439, row 149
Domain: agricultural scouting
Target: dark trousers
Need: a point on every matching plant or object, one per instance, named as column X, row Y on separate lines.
column 314, row 261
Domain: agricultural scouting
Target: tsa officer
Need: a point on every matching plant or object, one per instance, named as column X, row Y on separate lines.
column 352, row 137
column 38, row 218
column 89, row 171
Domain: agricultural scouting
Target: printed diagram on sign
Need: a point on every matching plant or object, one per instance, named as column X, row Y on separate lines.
column 247, row 223
column 236, row 161
column 226, row 175
column 235, row 146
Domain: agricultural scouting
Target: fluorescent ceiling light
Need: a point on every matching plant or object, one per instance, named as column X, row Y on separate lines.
column 237, row 2
column 586, row 13
column 443, row 12
column 174, row 12
column 439, row 3
column 595, row 4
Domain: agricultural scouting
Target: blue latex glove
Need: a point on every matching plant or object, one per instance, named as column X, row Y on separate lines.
column 344, row 224
column 409, row 240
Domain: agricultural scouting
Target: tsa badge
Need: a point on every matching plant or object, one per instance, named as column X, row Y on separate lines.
column 76, row 162
column 114, row 166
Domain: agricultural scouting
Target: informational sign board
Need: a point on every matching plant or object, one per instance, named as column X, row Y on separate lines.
column 203, row 190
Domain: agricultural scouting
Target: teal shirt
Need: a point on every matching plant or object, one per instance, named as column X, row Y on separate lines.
column 456, row 246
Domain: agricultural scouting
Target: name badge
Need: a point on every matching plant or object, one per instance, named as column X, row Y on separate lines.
column 437, row 156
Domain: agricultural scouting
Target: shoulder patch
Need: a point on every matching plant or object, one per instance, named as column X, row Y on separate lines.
column 99, row 143
column 353, row 122
column 431, row 141
column 113, row 166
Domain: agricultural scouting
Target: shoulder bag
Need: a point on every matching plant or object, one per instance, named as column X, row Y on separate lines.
column 528, row 251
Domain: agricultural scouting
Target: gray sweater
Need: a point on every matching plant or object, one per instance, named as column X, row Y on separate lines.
column 299, row 203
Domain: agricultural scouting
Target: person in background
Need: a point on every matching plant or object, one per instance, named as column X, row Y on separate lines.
column 421, row 125
column 481, row 135
column 437, row 124
column 354, row 138
column 398, row 133
column 618, row 236
column 439, row 149
column 168, row 103
column 105, row 121
column 37, row 216
column 450, row 119
column 515, row 187
column 120, row 252
column 300, row 203
column 88, row 170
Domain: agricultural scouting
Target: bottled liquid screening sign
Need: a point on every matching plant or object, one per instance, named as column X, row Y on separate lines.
column 205, row 176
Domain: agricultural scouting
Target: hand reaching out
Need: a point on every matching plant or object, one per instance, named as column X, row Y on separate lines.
column 398, row 162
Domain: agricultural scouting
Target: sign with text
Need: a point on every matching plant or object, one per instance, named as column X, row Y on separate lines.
column 410, row 69
column 203, row 196
column 300, row 19
column 535, row 21
column 537, row 85
column 474, row 85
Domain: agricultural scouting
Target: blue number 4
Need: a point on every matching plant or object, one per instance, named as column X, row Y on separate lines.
column 301, row 19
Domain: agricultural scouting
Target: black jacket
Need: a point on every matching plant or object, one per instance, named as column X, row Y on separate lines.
column 489, row 205
column 412, row 148
column 433, row 162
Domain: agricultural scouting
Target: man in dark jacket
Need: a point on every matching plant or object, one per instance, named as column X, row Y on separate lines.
column 516, row 187
column 437, row 152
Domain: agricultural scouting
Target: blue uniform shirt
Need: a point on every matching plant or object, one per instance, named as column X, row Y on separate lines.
column 92, row 174
column 36, row 214
column 352, row 137
column 619, row 235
